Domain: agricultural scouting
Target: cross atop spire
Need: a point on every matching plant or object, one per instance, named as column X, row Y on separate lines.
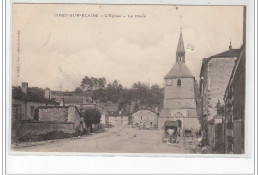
column 180, row 22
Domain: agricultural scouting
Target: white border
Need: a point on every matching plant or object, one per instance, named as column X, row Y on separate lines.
column 80, row 163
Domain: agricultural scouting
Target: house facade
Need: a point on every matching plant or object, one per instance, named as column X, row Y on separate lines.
column 145, row 118
column 214, row 77
column 234, row 120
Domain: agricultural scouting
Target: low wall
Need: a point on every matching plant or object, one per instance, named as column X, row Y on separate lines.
column 42, row 127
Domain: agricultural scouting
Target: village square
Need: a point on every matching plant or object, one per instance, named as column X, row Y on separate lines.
column 185, row 115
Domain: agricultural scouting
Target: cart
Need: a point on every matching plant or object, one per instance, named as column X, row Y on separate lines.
column 171, row 129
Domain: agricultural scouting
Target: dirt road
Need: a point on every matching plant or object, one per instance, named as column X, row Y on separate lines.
column 120, row 139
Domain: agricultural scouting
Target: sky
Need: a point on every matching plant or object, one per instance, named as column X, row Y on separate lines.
column 57, row 52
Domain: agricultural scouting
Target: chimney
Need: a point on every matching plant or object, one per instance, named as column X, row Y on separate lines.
column 47, row 93
column 24, row 87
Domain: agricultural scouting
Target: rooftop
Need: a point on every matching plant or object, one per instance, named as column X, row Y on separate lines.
column 70, row 99
column 179, row 70
column 228, row 53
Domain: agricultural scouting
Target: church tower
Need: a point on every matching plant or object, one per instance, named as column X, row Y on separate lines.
column 179, row 94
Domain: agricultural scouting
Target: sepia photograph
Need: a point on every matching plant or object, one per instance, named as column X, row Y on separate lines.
column 100, row 78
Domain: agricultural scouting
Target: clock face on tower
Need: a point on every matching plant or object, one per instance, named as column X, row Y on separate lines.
column 168, row 82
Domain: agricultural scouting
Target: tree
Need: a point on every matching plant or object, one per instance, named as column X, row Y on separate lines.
column 102, row 82
column 220, row 109
column 140, row 92
column 136, row 107
column 92, row 83
column 34, row 94
column 86, row 83
column 78, row 90
column 91, row 116
column 18, row 94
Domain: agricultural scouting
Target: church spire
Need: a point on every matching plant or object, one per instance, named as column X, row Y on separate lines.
column 180, row 53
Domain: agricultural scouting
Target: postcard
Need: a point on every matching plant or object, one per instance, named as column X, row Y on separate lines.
column 99, row 78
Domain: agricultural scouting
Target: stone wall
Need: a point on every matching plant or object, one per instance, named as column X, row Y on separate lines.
column 53, row 114
column 41, row 127
column 180, row 103
column 186, row 90
column 74, row 117
column 183, row 96
column 219, row 72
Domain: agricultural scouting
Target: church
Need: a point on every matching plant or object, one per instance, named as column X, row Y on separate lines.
column 179, row 95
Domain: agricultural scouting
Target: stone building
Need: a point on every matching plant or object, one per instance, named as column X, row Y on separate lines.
column 234, row 121
column 68, row 114
column 145, row 118
column 179, row 94
column 81, row 102
column 235, row 108
column 49, row 119
column 26, row 107
column 115, row 120
column 214, row 76
column 37, row 118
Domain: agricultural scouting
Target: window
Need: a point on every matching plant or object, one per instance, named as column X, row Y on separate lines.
column 178, row 82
